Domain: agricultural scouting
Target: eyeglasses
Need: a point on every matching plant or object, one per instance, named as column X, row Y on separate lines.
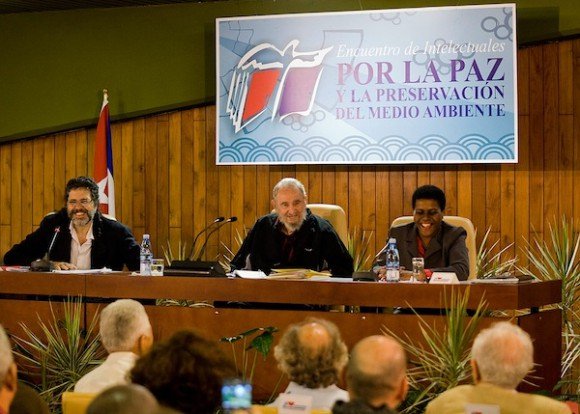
column 85, row 202
column 430, row 213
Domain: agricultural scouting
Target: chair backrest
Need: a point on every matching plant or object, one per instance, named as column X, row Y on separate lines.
column 76, row 402
column 335, row 215
column 458, row 221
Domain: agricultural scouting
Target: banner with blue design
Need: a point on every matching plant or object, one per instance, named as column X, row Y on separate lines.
column 406, row 86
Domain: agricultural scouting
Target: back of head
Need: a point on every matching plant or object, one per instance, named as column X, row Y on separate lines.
column 312, row 353
column 124, row 399
column 122, row 323
column 6, row 358
column 376, row 370
column 504, row 354
column 429, row 192
column 185, row 373
column 28, row 401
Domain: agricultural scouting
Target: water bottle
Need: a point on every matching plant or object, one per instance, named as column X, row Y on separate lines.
column 392, row 261
column 146, row 256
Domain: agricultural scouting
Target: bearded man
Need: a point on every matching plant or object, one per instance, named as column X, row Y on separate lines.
column 293, row 237
column 83, row 237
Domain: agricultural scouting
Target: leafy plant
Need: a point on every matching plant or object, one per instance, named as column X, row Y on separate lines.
column 261, row 344
column 170, row 256
column 66, row 353
column 359, row 247
column 559, row 259
column 440, row 360
column 230, row 251
column 489, row 264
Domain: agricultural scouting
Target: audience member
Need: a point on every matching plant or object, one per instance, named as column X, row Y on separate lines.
column 312, row 354
column 27, row 401
column 501, row 357
column 126, row 335
column 375, row 376
column 185, row 373
column 124, row 399
column 429, row 236
column 293, row 237
column 8, row 375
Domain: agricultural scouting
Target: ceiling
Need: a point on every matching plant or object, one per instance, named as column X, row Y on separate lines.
column 22, row 6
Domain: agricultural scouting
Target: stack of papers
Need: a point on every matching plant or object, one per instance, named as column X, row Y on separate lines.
column 281, row 274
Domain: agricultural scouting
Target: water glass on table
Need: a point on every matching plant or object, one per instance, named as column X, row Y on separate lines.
column 157, row 267
column 418, row 269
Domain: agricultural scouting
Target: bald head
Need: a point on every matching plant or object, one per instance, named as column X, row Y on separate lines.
column 124, row 399
column 312, row 353
column 313, row 337
column 376, row 371
column 503, row 355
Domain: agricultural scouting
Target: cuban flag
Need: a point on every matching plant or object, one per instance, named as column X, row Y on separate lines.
column 104, row 160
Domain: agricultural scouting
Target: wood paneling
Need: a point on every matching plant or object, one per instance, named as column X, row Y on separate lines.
column 167, row 182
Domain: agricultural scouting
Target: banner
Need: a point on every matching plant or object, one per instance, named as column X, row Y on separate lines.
column 103, row 168
column 420, row 86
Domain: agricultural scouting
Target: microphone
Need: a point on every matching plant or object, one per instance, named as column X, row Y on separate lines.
column 230, row 220
column 197, row 267
column 216, row 220
column 44, row 264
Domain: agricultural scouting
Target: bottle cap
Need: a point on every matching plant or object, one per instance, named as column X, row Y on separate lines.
column 392, row 240
column 145, row 236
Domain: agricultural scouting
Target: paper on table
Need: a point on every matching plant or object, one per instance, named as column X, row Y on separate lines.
column 84, row 271
column 250, row 274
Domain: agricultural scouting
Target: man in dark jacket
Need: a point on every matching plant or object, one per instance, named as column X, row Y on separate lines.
column 293, row 237
column 83, row 237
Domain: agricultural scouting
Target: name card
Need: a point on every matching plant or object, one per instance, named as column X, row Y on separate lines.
column 444, row 278
column 294, row 404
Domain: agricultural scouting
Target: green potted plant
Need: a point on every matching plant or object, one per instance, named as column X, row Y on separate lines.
column 558, row 258
column 66, row 351
column 440, row 360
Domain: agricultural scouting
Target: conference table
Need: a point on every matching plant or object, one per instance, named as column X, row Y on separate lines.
column 358, row 308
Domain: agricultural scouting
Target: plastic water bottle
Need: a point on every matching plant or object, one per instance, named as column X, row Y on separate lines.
column 392, row 261
column 146, row 256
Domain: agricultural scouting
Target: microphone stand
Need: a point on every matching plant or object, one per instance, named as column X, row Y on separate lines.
column 202, row 250
column 44, row 264
column 192, row 251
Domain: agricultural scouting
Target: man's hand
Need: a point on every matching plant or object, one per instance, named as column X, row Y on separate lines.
column 63, row 266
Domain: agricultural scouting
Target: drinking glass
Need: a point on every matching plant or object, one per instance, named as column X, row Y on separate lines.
column 157, row 266
column 418, row 269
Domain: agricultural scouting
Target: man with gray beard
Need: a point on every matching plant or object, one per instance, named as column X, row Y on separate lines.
column 83, row 237
column 293, row 237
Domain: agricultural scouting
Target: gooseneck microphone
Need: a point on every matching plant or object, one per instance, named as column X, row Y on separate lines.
column 44, row 264
column 192, row 251
column 230, row 220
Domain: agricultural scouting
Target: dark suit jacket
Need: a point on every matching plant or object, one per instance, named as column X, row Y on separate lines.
column 447, row 252
column 113, row 246
column 316, row 244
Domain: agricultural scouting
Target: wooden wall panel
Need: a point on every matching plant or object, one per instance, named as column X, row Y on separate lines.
column 167, row 182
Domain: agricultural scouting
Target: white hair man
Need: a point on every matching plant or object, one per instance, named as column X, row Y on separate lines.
column 376, row 377
column 8, row 373
column 293, row 237
column 312, row 354
column 501, row 357
column 126, row 334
